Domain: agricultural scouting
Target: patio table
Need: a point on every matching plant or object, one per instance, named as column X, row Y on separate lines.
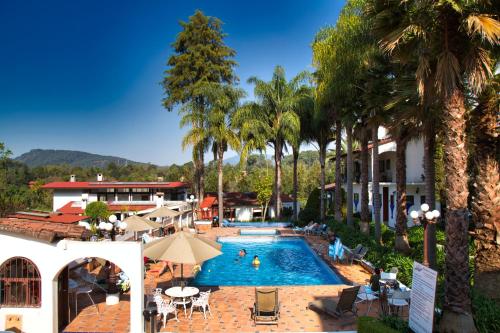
column 182, row 293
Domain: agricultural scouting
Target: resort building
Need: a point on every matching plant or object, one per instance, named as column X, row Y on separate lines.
column 415, row 185
column 240, row 206
column 122, row 198
column 36, row 263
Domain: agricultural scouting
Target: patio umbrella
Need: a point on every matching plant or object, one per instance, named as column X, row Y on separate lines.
column 136, row 223
column 163, row 212
column 183, row 248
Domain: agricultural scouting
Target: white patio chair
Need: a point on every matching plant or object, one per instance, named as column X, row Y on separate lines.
column 201, row 302
column 398, row 300
column 85, row 289
column 164, row 308
column 365, row 294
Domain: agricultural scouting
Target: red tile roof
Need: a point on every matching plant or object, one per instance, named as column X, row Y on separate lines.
column 48, row 231
column 74, row 207
column 132, row 207
column 208, row 202
column 70, row 209
column 49, row 217
column 104, row 184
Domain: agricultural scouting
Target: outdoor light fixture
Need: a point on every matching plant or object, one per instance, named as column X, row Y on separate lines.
column 191, row 200
column 425, row 218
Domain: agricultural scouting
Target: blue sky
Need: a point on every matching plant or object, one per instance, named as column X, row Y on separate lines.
column 84, row 75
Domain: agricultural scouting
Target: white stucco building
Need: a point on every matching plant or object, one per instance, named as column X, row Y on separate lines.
column 415, row 185
column 44, row 253
column 73, row 196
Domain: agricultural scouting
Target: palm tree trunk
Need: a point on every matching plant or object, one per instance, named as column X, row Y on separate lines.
column 349, row 196
column 277, row 192
column 401, row 243
column 430, row 188
column 295, row 184
column 338, row 172
column 457, row 303
column 322, row 157
column 375, row 183
column 365, row 211
column 220, row 182
column 201, row 174
column 486, row 202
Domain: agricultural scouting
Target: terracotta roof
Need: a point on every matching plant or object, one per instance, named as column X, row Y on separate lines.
column 71, row 208
column 74, row 207
column 49, row 217
column 208, row 202
column 47, row 231
column 132, row 207
column 104, row 184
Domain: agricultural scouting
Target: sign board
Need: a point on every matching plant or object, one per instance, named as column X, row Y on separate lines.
column 423, row 294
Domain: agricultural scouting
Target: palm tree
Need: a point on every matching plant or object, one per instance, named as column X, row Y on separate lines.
column 272, row 118
column 486, row 191
column 450, row 39
column 222, row 102
column 305, row 111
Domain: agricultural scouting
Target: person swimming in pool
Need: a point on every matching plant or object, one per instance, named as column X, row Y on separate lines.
column 242, row 253
column 256, row 261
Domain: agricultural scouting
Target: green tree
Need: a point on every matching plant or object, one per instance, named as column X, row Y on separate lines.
column 222, row 102
column 451, row 40
column 200, row 57
column 264, row 188
column 97, row 210
column 272, row 119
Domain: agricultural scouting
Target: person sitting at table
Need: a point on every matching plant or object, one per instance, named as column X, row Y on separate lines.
column 375, row 280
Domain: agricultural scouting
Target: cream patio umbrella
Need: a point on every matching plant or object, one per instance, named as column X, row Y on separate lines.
column 136, row 223
column 163, row 212
column 183, row 248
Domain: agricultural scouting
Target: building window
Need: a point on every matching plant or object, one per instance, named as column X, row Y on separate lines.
column 20, row 283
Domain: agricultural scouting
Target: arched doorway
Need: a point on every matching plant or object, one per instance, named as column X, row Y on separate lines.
column 82, row 287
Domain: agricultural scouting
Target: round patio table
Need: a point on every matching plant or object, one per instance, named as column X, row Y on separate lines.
column 182, row 293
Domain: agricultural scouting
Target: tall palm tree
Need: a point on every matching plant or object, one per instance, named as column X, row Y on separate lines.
column 450, row 39
column 273, row 118
column 222, row 102
column 305, row 111
column 486, row 191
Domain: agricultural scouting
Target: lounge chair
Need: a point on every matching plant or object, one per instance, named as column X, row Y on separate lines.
column 357, row 253
column 361, row 254
column 266, row 309
column 338, row 308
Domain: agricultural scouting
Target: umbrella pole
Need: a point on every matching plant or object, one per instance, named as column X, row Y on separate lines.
column 182, row 282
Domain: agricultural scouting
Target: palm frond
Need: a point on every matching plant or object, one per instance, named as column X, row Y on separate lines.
column 484, row 26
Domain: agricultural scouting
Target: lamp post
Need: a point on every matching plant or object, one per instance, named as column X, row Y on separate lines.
column 191, row 200
column 425, row 218
column 109, row 231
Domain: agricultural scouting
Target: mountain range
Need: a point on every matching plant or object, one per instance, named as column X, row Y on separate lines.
column 41, row 157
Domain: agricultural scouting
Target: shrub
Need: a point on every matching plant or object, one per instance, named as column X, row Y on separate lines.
column 311, row 210
column 486, row 313
column 396, row 323
column 373, row 325
column 97, row 210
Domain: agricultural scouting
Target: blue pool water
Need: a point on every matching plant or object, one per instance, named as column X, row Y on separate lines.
column 257, row 224
column 284, row 261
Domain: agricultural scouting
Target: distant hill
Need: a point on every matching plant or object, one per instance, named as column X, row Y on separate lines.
column 41, row 157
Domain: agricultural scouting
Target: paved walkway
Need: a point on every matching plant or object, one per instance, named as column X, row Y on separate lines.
column 232, row 306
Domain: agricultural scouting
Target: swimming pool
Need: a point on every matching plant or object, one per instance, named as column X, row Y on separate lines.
column 284, row 261
column 257, row 224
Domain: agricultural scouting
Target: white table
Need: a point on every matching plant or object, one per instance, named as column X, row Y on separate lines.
column 182, row 293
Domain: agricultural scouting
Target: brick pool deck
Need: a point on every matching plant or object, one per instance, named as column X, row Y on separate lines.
column 232, row 306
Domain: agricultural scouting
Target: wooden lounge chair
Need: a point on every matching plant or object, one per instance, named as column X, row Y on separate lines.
column 266, row 309
column 337, row 309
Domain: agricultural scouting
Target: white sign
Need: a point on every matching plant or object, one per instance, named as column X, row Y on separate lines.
column 423, row 294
